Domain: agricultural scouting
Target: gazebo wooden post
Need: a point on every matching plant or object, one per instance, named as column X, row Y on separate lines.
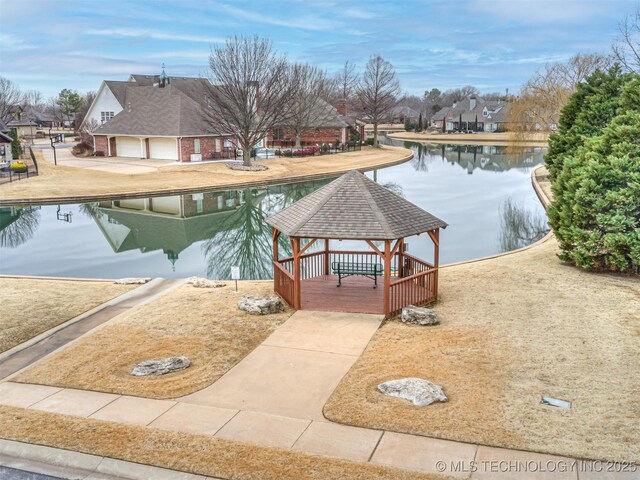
column 275, row 234
column 387, row 276
column 295, row 241
column 401, row 258
column 435, row 238
column 326, row 256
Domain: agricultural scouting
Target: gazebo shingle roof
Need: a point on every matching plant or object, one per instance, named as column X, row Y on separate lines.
column 354, row 207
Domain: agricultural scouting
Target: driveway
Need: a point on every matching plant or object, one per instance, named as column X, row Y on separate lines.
column 123, row 165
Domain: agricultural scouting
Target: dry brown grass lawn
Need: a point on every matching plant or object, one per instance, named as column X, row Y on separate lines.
column 29, row 307
column 513, row 329
column 73, row 183
column 200, row 323
column 197, row 454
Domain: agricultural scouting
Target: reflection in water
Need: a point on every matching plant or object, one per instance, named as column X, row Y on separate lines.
column 472, row 157
column 17, row 225
column 519, row 227
column 207, row 233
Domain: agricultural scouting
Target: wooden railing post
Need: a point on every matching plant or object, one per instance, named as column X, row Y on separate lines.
column 296, row 273
column 387, row 277
column 326, row 256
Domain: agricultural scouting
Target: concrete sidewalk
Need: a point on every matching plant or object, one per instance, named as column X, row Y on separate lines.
column 274, row 397
column 122, row 165
column 31, row 351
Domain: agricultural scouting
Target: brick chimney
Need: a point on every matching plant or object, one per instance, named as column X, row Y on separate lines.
column 342, row 108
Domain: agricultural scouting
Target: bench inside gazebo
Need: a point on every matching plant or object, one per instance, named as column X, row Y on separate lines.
column 382, row 279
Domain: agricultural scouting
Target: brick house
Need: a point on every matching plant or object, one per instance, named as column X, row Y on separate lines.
column 160, row 117
column 155, row 117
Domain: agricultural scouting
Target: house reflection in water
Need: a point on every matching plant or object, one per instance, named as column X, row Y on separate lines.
column 472, row 157
column 170, row 224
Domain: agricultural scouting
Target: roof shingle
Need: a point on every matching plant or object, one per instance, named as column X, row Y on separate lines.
column 354, row 207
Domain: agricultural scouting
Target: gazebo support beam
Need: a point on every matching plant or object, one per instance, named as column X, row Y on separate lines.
column 275, row 235
column 295, row 241
column 435, row 238
column 306, row 247
column 326, row 256
column 387, row 276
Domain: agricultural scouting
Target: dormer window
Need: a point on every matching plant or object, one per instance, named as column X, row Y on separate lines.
column 485, row 112
column 105, row 116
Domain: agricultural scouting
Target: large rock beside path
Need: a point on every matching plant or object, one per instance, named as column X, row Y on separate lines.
column 200, row 282
column 417, row 390
column 419, row 316
column 260, row 306
column 160, row 367
column 133, row 281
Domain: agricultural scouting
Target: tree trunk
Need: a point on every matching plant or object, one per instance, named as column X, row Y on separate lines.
column 298, row 143
column 246, row 157
column 375, row 135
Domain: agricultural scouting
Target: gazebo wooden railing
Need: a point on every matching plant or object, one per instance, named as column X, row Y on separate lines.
column 413, row 281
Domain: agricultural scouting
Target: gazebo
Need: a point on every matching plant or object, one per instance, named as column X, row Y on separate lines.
column 353, row 207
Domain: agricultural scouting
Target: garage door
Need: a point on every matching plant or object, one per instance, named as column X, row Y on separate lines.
column 163, row 148
column 128, row 147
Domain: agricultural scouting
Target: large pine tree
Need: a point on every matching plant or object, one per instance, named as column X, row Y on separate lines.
column 596, row 184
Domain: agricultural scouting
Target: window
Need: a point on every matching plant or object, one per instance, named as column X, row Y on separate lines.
column 217, row 145
column 105, row 116
column 278, row 134
column 196, row 145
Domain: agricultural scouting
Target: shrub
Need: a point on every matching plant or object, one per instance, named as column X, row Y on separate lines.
column 596, row 209
column 369, row 142
column 82, row 149
column 18, row 167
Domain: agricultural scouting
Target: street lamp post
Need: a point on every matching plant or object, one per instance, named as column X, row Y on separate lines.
column 55, row 160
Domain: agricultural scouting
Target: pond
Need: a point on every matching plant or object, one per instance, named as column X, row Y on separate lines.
column 482, row 192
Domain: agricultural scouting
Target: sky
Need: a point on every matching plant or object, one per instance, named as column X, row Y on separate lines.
column 48, row 45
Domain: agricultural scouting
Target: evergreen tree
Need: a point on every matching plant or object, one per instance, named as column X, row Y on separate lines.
column 596, row 208
column 70, row 102
column 16, row 148
column 588, row 111
column 420, row 122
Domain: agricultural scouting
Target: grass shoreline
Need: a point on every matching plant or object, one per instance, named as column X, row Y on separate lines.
column 64, row 184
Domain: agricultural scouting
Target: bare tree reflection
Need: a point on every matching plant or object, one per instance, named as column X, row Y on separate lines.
column 244, row 238
column 17, row 225
column 519, row 227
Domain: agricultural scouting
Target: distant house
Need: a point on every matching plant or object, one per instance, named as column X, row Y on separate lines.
column 26, row 120
column 5, row 144
column 403, row 114
column 162, row 117
column 472, row 114
column 330, row 127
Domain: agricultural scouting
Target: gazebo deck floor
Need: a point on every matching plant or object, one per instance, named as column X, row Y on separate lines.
column 356, row 295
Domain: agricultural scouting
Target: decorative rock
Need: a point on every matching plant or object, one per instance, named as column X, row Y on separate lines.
column 205, row 283
column 245, row 168
column 260, row 306
column 160, row 367
column 420, row 392
column 419, row 316
column 132, row 281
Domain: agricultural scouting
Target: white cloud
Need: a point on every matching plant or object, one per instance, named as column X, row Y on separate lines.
column 306, row 22
column 154, row 34
column 9, row 42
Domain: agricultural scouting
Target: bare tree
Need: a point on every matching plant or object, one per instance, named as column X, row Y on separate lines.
column 626, row 49
column 538, row 106
column 251, row 91
column 309, row 107
column 33, row 99
column 378, row 91
column 9, row 97
column 346, row 82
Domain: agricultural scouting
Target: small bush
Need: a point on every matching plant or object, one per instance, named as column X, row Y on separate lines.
column 82, row 149
column 18, row 167
column 369, row 142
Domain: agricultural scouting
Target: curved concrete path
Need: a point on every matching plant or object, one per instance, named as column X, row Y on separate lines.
column 31, row 351
column 274, row 397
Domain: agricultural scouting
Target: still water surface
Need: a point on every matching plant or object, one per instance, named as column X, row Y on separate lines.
column 482, row 192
